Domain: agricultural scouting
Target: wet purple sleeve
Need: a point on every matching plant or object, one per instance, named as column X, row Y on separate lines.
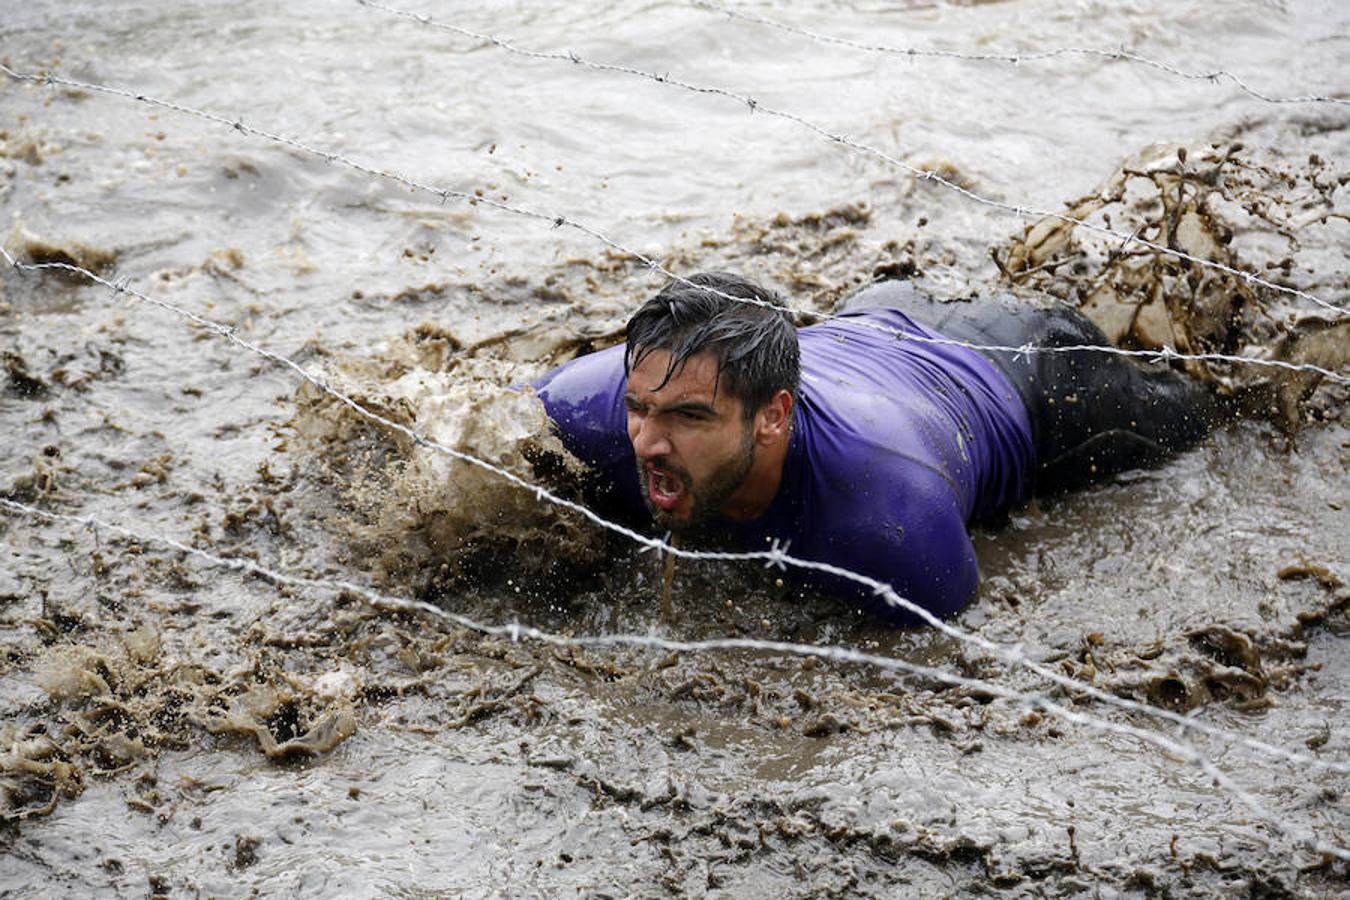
column 584, row 398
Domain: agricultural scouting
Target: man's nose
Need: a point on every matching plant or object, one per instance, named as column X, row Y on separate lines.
column 650, row 440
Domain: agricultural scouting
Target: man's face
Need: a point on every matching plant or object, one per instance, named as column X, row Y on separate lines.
column 694, row 448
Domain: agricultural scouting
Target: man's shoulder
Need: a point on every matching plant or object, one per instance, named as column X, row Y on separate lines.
column 584, row 398
column 583, row 378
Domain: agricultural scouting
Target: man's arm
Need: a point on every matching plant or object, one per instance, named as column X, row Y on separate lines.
column 909, row 534
column 584, row 398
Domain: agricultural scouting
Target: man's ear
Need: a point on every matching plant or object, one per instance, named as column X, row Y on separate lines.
column 774, row 418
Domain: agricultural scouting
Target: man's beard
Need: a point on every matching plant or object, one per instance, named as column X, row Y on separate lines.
column 708, row 497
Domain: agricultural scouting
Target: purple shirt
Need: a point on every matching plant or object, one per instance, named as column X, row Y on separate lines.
column 896, row 446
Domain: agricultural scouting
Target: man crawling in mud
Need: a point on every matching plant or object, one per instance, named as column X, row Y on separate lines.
column 852, row 444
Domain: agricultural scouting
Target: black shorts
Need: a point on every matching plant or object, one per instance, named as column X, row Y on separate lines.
column 1093, row 414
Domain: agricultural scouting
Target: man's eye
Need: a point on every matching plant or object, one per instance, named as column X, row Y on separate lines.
column 689, row 415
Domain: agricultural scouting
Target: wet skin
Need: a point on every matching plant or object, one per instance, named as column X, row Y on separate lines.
column 697, row 453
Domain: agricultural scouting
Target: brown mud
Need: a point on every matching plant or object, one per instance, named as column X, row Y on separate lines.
column 173, row 728
column 749, row 770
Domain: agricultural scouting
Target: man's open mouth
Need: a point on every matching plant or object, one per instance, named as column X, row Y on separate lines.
column 664, row 488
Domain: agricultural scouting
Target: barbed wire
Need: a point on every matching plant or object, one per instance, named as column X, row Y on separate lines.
column 557, row 220
column 1120, row 55
column 517, row 632
column 775, row 557
column 1022, row 212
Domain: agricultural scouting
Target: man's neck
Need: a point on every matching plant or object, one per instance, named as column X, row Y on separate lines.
column 757, row 492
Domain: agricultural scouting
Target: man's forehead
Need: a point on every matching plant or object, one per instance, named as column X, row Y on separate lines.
column 694, row 379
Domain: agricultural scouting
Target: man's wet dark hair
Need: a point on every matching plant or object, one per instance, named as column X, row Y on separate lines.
column 755, row 344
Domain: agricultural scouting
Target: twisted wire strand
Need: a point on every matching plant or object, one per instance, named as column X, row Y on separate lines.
column 1022, row 212
column 558, row 220
column 517, row 632
column 1121, row 55
column 776, row 557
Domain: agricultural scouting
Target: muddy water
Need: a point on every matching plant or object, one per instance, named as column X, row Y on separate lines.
column 169, row 727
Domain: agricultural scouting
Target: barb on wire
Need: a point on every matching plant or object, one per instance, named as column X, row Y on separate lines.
column 556, row 220
column 776, row 556
column 517, row 632
column 1122, row 55
column 843, row 140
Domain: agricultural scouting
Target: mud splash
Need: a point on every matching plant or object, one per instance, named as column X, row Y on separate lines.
column 69, row 253
column 418, row 518
column 118, row 699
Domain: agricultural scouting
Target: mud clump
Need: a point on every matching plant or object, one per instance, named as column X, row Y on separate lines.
column 112, row 704
column 42, row 250
column 35, row 771
column 118, row 699
column 21, row 382
column 1214, row 203
column 281, row 724
column 1243, row 668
